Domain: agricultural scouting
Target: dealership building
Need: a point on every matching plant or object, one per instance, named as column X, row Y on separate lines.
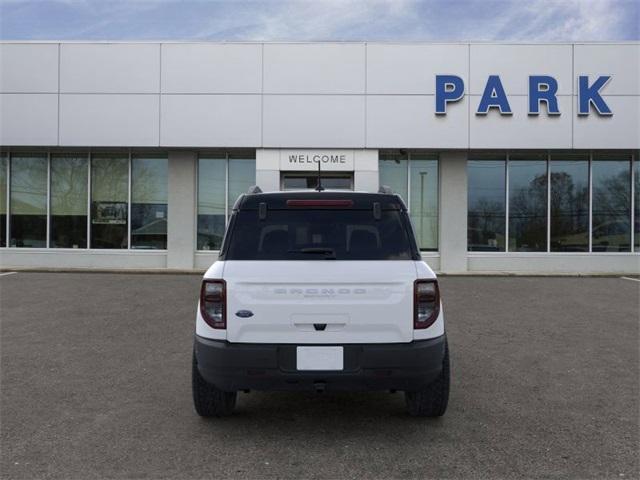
column 509, row 157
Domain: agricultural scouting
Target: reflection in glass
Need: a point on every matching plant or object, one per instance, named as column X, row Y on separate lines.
column 109, row 196
column 149, row 196
column 570, row 203
column 330, row 181
column 69, row 201
column 393, row 172
column 424, row 200
column 611, row 181
column 28, row 201
column 3, row 200
column 211, row 202
column 486, row 200
column 527, row 204
column 636, row 189
column 242, row 176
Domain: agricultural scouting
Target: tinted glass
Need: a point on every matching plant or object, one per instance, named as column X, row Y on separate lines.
column 3, row 200
column 636, row 189
column 611, row 230
column 319, row 235
column 69, row 181
column 310, row 182
column 149, row 196
column 242, row 176
column 528, row 205
column 423, row 205
column 486, row 204
column 28, row 201
column 211, row 202
column 569, row 204
column 394, row 173
column 109, row 197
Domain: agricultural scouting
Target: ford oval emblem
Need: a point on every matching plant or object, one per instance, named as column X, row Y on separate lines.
column 244, row 313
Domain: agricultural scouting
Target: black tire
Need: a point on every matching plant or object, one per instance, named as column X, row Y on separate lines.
column 209, row 400
column 431, row 401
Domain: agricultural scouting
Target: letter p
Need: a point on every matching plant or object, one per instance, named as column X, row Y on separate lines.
column 449, row 88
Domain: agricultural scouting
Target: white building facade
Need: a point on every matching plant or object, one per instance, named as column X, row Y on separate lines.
column 510, row 157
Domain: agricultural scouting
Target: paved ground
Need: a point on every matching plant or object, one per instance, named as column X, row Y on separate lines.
column 95, row 384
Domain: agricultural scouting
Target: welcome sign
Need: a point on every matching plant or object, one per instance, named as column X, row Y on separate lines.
column 329, row 160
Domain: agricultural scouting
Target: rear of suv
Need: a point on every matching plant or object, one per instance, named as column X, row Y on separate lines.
column 320, row 291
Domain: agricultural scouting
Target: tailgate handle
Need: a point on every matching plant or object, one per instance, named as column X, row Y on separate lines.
column 320, row 327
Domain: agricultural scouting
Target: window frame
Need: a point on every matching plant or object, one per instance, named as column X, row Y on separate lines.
column 224, row 156
column 436, row 157
column 633, row 159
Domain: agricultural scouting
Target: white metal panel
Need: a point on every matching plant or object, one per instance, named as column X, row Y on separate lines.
column 28, row 119
column 514, row 64
column 313, row 121
column 109, row 68
column 620, row 61
column 521, row 130
column 109, row 120
column 211, row 68
column 28, row 68
column 411, row 69
column 409, row 121
column 314, row 68
column 210, row 120
column 620, row 130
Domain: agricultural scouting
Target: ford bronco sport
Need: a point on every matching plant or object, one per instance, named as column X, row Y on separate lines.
column 320, row 291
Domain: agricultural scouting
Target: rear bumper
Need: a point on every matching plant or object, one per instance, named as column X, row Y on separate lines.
column 388, row 366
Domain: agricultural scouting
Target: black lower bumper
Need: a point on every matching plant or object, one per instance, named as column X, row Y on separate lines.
column 388, row 366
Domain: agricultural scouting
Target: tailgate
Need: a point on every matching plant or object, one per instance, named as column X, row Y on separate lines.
column 320, row 302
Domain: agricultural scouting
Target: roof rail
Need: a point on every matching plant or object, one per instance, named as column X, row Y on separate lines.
column 385, row 189
column 254, row 189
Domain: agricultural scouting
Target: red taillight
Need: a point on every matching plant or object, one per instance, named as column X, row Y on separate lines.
column 320, row 203
column 213, row 303
column 426, row 303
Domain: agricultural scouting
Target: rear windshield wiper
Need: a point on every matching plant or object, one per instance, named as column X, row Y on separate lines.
column 329, row 253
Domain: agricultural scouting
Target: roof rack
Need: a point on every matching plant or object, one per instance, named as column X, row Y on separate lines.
column 385, row 189
column 254, row 189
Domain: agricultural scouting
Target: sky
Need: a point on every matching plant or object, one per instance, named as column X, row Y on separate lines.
column 321, row 20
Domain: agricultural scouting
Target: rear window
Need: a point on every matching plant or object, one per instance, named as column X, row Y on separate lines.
column 319, row 235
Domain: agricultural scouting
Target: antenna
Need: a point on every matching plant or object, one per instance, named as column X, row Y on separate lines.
column 319, row 188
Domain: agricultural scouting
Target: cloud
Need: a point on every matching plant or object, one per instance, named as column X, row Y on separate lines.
column 331, row 20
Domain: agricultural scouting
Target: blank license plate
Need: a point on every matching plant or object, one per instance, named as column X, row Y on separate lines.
column 320, row 358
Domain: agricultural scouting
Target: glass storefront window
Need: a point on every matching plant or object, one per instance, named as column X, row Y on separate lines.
column 569, row 203
column 211, row 202
column 423, row 205
column 69, row 182
column 527, row 203
column 28, row 208
column 242, row 176
column 149, row 197
column 636, row 202
column 486, row 204
column 109, row 198
column 394, row 172
column 611, row 184
column 3, row 199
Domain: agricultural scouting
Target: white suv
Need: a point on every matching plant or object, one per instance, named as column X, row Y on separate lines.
column 320, row 291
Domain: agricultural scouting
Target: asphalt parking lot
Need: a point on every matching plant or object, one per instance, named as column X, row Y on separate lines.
column 95, row 383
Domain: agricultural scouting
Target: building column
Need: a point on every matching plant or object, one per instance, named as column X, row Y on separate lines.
column 181, row 218
column 453, row 212
column 365, row 175
column 268, row 169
